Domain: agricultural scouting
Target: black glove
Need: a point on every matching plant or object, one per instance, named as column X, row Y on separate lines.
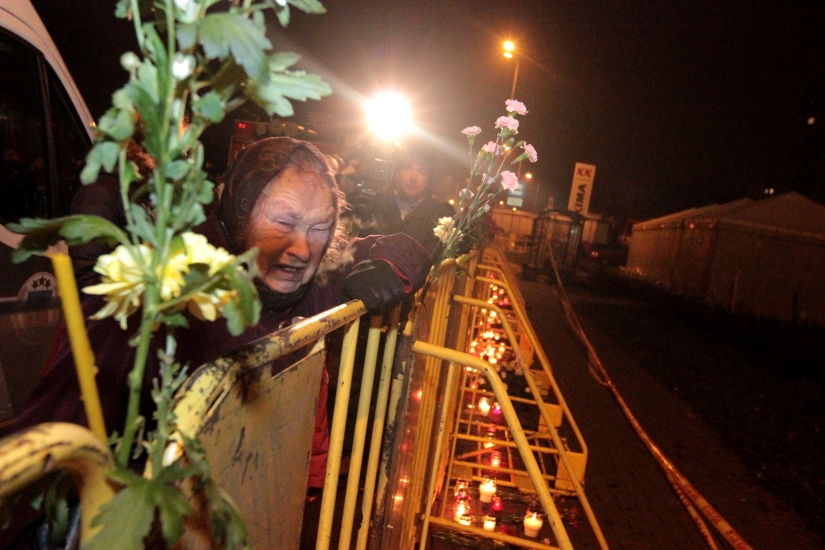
column 375, row 283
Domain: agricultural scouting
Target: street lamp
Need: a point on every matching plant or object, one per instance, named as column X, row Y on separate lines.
column 509, row 53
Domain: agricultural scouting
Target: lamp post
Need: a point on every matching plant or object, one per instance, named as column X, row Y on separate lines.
column 509, row 49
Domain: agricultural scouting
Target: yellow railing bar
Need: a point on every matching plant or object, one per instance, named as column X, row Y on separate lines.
column 360, row 434
column 336, row 436
column 427, row 406
column 27, row 456
column 442, row 424
column 516, row 431
column 378, row 430
column 396, row 387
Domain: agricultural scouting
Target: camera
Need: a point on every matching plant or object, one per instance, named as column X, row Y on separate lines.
column 373, row 177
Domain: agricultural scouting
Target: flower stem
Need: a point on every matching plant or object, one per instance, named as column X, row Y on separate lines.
column 136, row 375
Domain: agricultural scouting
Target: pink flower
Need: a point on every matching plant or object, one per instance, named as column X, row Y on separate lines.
column 509, row 181
column 491, row 148
column 517, row 107
column 507, row 122
column 465, row 194
column 471, row 131
column 532, row 156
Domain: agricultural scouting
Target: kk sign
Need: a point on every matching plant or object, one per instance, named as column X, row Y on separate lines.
column 582, row 188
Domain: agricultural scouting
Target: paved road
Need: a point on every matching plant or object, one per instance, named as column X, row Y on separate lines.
column 636, row 507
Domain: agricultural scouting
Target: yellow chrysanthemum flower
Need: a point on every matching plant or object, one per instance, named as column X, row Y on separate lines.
column 199, row 251
column 206, row 306
column 122, row 283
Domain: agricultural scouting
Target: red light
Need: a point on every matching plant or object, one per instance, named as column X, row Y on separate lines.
column 242, row 125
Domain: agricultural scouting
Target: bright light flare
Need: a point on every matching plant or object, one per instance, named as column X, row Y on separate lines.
column 389, row 115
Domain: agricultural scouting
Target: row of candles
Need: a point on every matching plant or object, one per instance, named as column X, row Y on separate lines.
column 487, row 493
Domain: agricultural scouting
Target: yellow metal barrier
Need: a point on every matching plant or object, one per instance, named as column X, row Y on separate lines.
column 28, row 456
column 217, row 406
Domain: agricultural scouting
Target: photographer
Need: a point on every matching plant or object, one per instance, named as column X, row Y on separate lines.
column 407, row 206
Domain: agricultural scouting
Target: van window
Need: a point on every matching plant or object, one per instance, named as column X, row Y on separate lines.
column 71, row 145
column 23, row 176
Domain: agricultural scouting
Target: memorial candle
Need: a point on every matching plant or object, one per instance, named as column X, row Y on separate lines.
column 483, row 406
column 489, row 523
column 486, row 490
column 532, row 525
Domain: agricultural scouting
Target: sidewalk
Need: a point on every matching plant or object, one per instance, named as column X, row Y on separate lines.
column 634, row 503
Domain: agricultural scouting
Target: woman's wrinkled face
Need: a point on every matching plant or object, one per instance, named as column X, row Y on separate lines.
column 291, row 225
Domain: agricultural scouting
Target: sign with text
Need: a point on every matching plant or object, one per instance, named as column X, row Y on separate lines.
column 516, row 196
column 582, row 188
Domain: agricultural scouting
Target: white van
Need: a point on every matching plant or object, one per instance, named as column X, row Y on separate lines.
column 45, row 132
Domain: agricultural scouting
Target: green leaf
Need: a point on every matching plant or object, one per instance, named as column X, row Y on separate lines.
column 301, row 85
column 308, row 6
column 222, row 33
column 187, row 34
column 295, row 85
column 41, row 234
column 123, row 8
column 117, row 124
column 177, row 170
column 123, row 528
column 142, row 227
column 281, row 61
column 173, row 509
column 126, row 519
column 209, row 106
column 121, row 100
column 269, row 99
column 103, row 155
column 147, row 79
column 283, row 15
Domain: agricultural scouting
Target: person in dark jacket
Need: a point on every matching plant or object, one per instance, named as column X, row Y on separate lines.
column 410, row 208
column 280, row 197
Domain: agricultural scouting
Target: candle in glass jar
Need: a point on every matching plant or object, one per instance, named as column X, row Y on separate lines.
column 495, row 459
column 489, row 523
column 465, row 520
column 461, row 508
column 497, row 505
column 486, row 490
column 483, row 406
column 496, row 408
column 532, row 525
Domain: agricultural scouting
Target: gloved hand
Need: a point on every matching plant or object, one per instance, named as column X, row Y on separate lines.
column 375, row 283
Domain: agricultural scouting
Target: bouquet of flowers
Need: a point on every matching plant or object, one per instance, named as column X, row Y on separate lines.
column 488, row 169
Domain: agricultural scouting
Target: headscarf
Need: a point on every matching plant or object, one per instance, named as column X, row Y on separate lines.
column 255, row 167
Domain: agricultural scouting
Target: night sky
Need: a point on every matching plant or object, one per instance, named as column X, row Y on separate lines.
column 676, row 106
